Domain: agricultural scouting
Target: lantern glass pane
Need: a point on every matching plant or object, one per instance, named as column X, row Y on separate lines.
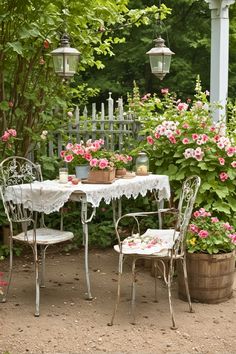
column 166, row 63
column 71, row 63
column 58, row 63
column 160, row 63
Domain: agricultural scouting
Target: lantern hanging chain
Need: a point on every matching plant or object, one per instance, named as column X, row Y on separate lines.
column 160, row 24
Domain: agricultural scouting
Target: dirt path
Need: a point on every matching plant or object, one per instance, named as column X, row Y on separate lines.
column 70, row 324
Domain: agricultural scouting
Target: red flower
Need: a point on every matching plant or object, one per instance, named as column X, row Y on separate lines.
column 46, row 44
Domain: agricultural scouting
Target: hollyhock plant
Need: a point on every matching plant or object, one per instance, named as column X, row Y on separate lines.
column 206, row 234
column 182, row 140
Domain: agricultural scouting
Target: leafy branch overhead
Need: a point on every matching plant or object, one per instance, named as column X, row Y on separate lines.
column 30, row 30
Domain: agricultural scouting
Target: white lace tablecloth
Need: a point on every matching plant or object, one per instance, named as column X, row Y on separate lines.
column 50, row 196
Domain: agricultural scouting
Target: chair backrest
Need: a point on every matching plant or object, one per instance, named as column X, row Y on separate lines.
column 17, row 171
column 186, row 202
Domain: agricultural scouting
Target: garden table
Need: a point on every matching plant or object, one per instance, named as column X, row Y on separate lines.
column 50, row 195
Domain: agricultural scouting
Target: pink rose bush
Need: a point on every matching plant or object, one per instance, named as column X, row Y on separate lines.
column 182, row 140
column 7, row 146
column 82, row 153
column 206, row 234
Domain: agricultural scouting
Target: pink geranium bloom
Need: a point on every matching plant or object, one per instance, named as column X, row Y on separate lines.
column 203, row 233
column 62, row 153
column 227, row 226
column 186, row 126
column 69, row 158
column 5, row 137
column 223, row 176
column 87, row 156
column 233, row 164
column 216, row 138
column 205, row 138
column 150, row 140
column 196, row 214
column 12, row 132
column 185, row 141
column 69, row 146
column 198, row 154
column 164, row 91
column 182, row 106
column 233, row 237
column 157, row 136
column 195, row 136
column 214, row 219
column 103, row 163
column 172, row 139
column 231, row 151
column 193, row 228
column 93, row 162
column 221, row 161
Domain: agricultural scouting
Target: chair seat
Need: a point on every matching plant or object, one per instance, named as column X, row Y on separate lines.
column 152, row 242
column 45, row 236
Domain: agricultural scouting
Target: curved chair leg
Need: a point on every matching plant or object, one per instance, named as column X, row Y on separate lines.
column 4, row 298
column 169, row 283
column 183, row 261
column 120, row 270
column 133, row 291
column 37, row 285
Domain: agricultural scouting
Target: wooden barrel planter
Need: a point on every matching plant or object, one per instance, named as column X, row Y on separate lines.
column 210, row 277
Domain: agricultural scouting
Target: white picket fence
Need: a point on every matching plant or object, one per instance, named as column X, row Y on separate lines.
column 111, row 123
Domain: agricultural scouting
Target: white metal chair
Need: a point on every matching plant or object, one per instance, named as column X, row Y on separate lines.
column 25, row 224
column 163, row 246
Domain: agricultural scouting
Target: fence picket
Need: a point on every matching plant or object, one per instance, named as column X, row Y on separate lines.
column 114, row 128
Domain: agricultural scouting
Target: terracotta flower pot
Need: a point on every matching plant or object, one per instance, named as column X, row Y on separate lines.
column 120, row 172
column 101, row 176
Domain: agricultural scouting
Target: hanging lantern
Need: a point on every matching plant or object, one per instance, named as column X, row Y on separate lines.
column 65, row 58
column 160, row 58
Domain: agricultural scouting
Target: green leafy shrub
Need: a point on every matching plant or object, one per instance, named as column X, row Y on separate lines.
column 182, row 140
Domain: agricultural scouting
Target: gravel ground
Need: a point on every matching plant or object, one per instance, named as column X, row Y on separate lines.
column 70, row 324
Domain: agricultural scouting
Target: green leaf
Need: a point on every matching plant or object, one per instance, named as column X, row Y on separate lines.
column 222, row 193
column 205, row 186
column 16, row 46
column 4, row 106
column 172, row 169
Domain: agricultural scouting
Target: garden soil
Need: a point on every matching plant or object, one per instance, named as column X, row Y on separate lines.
column 70, row 324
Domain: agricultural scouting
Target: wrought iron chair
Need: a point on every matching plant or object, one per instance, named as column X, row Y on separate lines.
column 163, row 246
column 26, row 225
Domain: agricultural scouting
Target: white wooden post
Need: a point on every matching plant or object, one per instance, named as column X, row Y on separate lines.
column 219, row 55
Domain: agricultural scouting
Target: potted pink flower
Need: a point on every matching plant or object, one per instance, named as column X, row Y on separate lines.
column 80, row 154
column 101, row 170
column 210, row 257
column 121, row 161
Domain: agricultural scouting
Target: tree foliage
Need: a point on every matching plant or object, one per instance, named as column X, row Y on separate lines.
column 29, row 30
column 187, row 32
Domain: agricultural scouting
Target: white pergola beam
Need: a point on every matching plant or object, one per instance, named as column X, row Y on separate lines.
column 219, row 55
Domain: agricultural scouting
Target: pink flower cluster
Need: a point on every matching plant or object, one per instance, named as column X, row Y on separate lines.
column 197, row 153
column 168, row 129
column 204, row 225
column 121, row 160
column 82, row 151
column 101, row 164
column 8, row 134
